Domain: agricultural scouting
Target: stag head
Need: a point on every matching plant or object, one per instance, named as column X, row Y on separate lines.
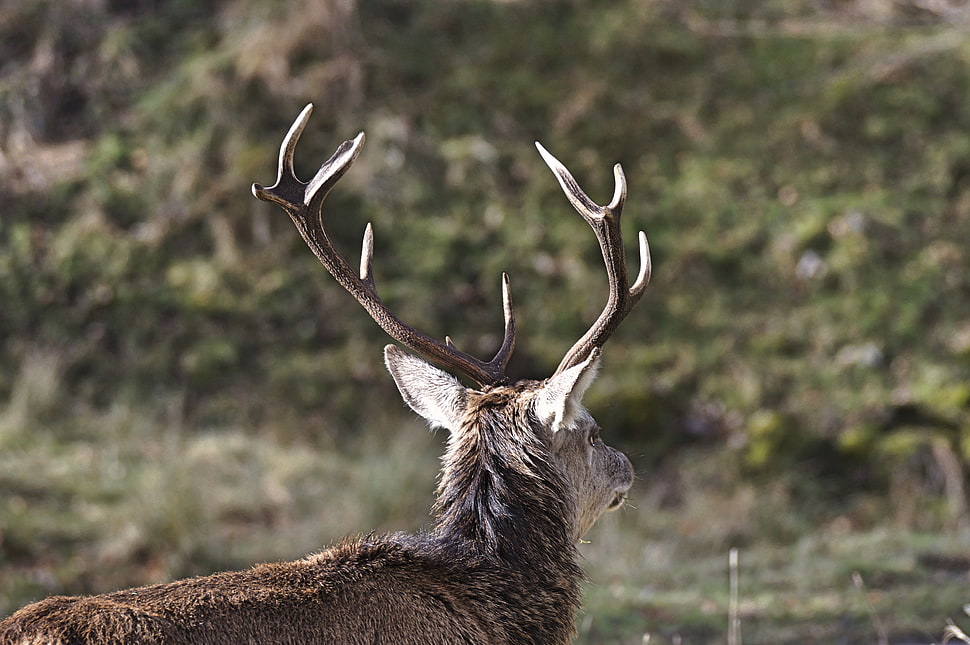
column 536, row 428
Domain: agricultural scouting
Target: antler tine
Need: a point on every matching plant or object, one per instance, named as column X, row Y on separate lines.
column 605, row 222
column 288, row 191
column 303, row 201
column 367, row 258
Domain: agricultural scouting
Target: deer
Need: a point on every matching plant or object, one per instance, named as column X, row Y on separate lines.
column 524, row 476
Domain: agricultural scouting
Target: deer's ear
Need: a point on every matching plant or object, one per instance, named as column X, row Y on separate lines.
column 561, row 396
column 435, row 395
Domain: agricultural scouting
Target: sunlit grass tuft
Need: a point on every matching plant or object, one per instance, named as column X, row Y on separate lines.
column 953, row 632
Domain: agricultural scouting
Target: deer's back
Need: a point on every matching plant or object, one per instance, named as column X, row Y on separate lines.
column 363, row 591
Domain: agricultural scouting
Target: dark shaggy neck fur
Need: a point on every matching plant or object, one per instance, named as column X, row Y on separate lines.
column 502, row 498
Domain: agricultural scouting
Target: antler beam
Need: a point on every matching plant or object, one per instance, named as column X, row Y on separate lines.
column 605, row 222
column 304, row 202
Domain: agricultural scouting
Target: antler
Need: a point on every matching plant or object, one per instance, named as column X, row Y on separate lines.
column 304, row 201
column 605, row 221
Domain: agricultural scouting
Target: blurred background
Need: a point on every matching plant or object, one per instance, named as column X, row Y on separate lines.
column 184, row 389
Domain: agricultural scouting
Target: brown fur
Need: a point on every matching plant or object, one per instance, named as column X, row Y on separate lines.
column 499, row 566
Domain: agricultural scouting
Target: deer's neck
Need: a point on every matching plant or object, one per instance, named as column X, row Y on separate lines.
column 501, row 495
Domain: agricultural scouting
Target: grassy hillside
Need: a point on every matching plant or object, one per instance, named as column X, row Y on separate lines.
column 795, row 383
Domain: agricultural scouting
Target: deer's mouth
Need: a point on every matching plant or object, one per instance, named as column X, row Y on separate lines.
column 617, row 501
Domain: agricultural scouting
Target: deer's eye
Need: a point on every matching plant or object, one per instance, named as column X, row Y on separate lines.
column 594, row 436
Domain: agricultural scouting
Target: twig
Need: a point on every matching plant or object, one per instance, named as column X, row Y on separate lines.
column 734, row 621
column 876, row 622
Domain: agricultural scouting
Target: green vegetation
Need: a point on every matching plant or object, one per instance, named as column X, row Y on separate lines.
column 184, row 389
